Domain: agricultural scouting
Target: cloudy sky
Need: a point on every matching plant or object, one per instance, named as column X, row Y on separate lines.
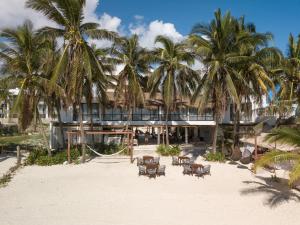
column 173, row 18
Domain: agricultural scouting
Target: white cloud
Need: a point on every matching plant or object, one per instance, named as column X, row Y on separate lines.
column 13, row 13
column 148, row 33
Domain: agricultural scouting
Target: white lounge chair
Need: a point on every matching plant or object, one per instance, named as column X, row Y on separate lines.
column 142, row 170
column 161, row 170
column 202, row 171
column 175, row 161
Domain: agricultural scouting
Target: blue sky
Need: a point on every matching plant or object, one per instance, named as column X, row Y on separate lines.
column 277, row 16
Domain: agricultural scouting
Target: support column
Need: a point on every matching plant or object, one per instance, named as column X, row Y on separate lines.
column 186, row 134
column 158, row 135
column 196, row 135
column 178, row 133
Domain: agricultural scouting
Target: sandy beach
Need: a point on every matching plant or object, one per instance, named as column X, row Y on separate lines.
column 6, row 162
column 111, row 192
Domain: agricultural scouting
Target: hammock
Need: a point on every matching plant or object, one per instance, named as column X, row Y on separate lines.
column 102, row 155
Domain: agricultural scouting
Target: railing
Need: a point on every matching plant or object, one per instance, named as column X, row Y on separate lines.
column 157, row 117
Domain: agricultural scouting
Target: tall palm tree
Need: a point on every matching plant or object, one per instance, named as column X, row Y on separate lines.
column 288, row 77
column 217, row 46
column 289, row 136
column 227, row 48
column 22, row 61
column 172, row 76
column 256, row 70
column 129, row 87
column 78, row 64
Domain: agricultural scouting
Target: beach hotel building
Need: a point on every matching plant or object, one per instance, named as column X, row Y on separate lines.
column 186, row 124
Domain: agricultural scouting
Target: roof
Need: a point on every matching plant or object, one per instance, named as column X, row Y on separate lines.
column 270, row 145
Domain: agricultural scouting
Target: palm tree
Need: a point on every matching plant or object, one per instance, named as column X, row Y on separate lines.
column 228, row 49
column 287, row 78
column 78, row 64
column 129, row 87
column 256, row 70
column 173, row 75
column 217, row 46
column 22, row 61
column 286, row 135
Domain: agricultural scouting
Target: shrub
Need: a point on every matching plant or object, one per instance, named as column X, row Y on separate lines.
column 215, row 157
column 41, row 158
column 168, row 150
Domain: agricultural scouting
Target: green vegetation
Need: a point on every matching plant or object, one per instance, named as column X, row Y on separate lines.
column 289, row 136
column 166, row 150
column 215, row 157
column 238, row 66
column 40, row 157
column 108, row 149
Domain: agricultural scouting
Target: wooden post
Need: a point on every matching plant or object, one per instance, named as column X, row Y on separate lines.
column 18, row 155
column 68, row 151
column 255, row 148
column 131, row 148
column 186, row 134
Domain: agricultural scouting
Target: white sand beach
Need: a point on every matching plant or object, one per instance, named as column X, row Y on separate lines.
column 6, row 162
column 111, row 192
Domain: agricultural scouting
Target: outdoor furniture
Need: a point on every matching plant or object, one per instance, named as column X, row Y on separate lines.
column 175, row 161
column 139, row 161
column 203, row 170
column 181, row 158
column 142, row 170
column 187, row 161
column 156, row 160
column 195, row 167
column 151, row 173
column 187, row 169
column 161, row 170
column 151, row 170
column 147, row 159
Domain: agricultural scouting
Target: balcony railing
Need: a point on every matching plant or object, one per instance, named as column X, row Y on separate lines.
column 156, row 117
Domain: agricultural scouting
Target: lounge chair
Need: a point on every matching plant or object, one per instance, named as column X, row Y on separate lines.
column 151, row 172
column 175, row 161
column 142, row 170
column 139, row 161
column 161, row 170
column 187, row 169
column 202, row 171
column 156, row 160
column 186, row 161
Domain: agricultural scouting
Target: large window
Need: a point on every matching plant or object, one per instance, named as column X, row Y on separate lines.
column 195, row 115
column 115, row 114
column 87, row 113
column 145, row 114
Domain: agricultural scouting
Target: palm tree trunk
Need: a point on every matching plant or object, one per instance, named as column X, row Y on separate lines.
column 167, row 130
column 215, row 136
column 60, row 123
column 82, row 135
column 45, row 137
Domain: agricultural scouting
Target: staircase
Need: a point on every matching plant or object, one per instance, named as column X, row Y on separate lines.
column 144, row 150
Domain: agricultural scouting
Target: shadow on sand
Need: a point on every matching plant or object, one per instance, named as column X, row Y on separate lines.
column 277, row 192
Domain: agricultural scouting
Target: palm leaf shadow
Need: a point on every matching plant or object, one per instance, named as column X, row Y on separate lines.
column 277, row 192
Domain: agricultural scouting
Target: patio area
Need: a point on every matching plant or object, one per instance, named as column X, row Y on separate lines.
column 109, row 191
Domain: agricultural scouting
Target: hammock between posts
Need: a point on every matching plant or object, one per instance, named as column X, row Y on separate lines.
column 102, row 155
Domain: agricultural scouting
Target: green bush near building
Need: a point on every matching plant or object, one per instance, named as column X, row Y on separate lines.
column 215, row 157
column 168, row 150
column 40, row 157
